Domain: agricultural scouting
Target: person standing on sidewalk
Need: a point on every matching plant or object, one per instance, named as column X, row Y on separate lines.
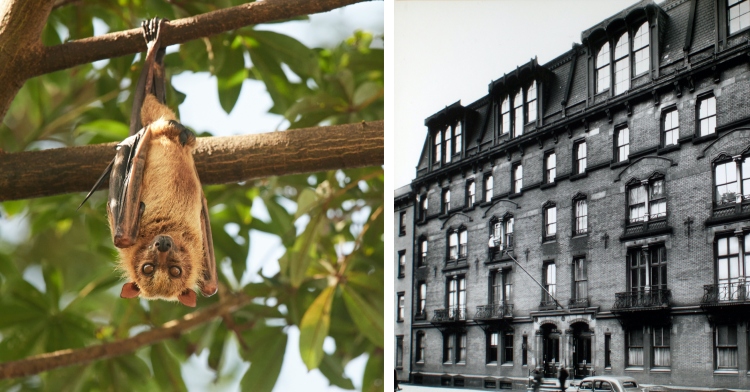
column 395, row 380
column 562, row 376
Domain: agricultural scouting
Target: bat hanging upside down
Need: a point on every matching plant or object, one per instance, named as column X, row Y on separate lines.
column 156, row 208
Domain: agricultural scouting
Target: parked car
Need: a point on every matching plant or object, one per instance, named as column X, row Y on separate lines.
column 605, row 384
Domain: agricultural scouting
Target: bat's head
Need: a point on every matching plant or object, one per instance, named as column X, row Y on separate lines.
column 163, row 269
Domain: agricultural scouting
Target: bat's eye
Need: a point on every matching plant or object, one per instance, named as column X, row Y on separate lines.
column 148, row 269
column 175, row 271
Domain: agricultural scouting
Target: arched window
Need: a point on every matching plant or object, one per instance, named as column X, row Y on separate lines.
column 602, row 68
column 448, row 144
column 640, row 50
column 505, row 113
column 622, row 65
column 518, row 114
column 531, row 103
column 438, row 146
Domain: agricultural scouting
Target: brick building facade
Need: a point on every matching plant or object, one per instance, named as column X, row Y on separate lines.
column 616, row 175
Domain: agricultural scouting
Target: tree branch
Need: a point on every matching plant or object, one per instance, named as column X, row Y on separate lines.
column 219, row 160
column 48, row 361
column 87, row 50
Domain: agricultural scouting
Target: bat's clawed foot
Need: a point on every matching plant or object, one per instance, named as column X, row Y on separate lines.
column 151, row 29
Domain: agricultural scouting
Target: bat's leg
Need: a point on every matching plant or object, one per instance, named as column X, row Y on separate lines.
column 152, row 68
column 126, row 193
column 207, row 282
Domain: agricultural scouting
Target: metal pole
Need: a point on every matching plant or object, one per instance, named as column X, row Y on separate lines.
column 535, row 281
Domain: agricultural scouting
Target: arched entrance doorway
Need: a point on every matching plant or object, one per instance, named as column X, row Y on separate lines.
column 581, row 350
column 550, row 349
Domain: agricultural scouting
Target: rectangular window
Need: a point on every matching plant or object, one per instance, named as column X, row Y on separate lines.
column 448, row 144
column 402, row 223
column 446, row 200
column 420, row 347
column 461, row 349
column 448, row 341
column 607, row 350
column 422, row 299
column 424, row 201
column 400, row 316
column 730, row 268
column 524, row 351
column 739, row 15
column 581, row 214
column 550, row 222
column 660, row 347
column 501, row 287
column 463, row 243
column 399, row 352
column 580, row 279
column 657, row 200
column 517, row 178
column 579, row 156
column 707, row 116
column 401, row 263
column 508, row 348
column 727, row 186
column 508, row 233
column 422, row 253
column 492, row 338
column 531, row 102
column 505, row 113
column 518, row 114
column 637, row 203
column 635, row 347
column 488, row 185
column 453, row 246
column 623, row 144
column 726, row 347
column 671, row 125
column 549, row 282
column 550, row 167
column 471, row 193
column 622, row 65
column 457, row 298
column 438, row 146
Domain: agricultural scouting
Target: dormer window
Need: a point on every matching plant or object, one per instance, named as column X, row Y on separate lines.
column 518, row 114
column 739, row 15
column 612, row 67
column 448, row 143
column 505, row 113
column 531, row 103
column 438, row 146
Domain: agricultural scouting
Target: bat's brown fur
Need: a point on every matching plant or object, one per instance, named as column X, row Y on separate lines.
column 171, row 191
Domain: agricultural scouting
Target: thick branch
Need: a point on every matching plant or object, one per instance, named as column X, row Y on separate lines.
column 48, row 361
column 219, row 160
column 131, row 41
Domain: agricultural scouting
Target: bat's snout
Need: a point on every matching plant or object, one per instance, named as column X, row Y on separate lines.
column 163, row 243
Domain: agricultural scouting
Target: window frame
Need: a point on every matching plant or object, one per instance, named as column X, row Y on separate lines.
column 445, row 198
column 420, row 350
column 658, row 335
column 399, row 361
column 580, row 221
column 400, row 306
column 493, row 350
column 401, row 223
column 624, row 147
column 629, row 345
column 508, row 337
column 550, row 173
column 456, row 295
column 650, row 200
column 625, row 61
column 606, row 67
column 580, row 278
column 529, row 102
column 549, row 229
column 670, row 114
column 644, row 48
column 421, row 300
column 728, row 346
column 422, row 252
column 401, row 263
column 579, row 164
column 550, row 287
column 708, row 117
column 516, row 184
column 437, row 155
column 489, row 187
column 471, row 193
column 742, row 180
column 729, row 7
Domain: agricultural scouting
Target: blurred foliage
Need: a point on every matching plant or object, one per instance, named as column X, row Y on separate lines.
column 58, row 288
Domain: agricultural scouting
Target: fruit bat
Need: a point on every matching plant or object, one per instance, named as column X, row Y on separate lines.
column 156, row 207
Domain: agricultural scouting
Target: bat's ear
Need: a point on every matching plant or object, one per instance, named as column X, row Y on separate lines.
column 208, row 288
column 187, row 298
column 130, row 290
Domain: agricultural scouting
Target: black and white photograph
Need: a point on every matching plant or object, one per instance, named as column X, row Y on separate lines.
column 571, row 195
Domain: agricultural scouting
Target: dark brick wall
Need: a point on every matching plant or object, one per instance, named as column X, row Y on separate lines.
column 689, row 240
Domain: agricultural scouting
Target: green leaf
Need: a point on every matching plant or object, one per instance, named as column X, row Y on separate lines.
column 230, row 77
column 374, row 371
column 314, row 328
column 109, row 129
column 305, row 202
column 368, row 317
column 266, row 357
column 367, row 92
column 216, row 350
column 333, row 369
column 166, row 369
column 288, row 50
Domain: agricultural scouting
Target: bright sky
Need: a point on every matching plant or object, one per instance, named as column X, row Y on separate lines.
column 447, row 51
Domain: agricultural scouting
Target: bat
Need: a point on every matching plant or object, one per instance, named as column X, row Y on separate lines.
column 156, row 208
